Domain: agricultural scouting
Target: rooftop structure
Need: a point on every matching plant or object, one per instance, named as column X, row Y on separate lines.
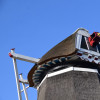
column 69, row 71
column 74, row 50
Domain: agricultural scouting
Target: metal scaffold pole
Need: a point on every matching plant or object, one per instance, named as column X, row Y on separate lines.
column 24, row 88
column 15, row 56
column 16, row 77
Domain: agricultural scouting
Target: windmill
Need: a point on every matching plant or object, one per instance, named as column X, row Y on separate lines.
column 69, row 71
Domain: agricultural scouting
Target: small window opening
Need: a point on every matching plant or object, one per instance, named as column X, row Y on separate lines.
column 83, row 43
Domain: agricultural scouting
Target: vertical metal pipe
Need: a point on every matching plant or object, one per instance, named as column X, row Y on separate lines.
column 16, row 77
column 24, row 88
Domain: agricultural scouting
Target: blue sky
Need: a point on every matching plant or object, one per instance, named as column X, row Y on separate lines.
column 33, row 27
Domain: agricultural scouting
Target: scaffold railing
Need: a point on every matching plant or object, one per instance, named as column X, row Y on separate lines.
column 14, row 57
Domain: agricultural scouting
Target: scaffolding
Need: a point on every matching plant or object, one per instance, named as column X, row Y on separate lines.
column 14, row 57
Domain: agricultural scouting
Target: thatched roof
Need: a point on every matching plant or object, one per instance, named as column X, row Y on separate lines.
column 64, row 48
column 30, row 75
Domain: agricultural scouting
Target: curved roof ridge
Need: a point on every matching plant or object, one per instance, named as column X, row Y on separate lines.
column 83, row 32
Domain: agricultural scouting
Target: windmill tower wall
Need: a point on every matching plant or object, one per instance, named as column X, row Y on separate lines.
column 71, row 85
